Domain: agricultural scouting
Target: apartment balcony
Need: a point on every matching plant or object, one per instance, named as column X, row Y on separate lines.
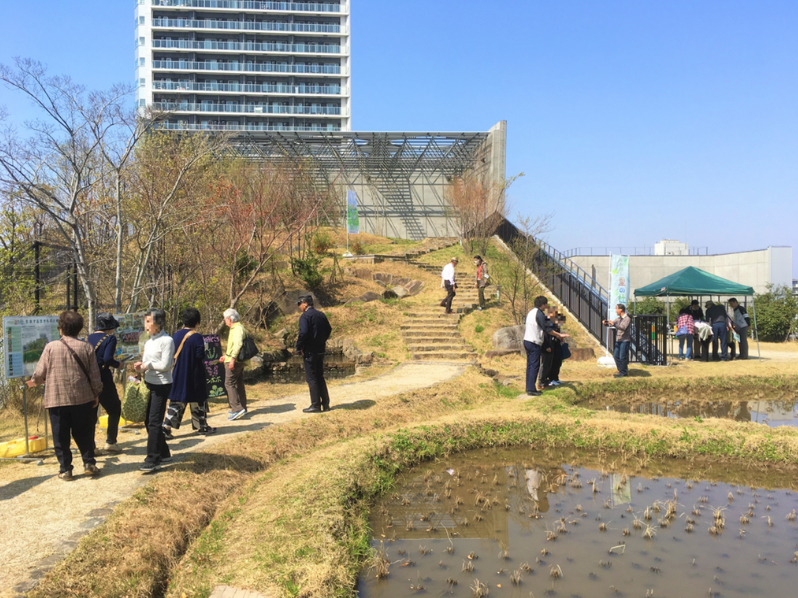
column 258, row 109
column 293, row 90
column 235, row 66
column 181, row 126
column 213, row 24
column 265, row 6
column 270, row 47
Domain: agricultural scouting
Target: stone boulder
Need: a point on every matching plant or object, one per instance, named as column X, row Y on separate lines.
column 362, row 273
column 401, row 281
column 382, row 277
column 254, row 369
column 400, row 292
column 511, row 337
column 389, row 294
column 286, row 302
column 365, row 298
column 414, row 287
column 585, row 354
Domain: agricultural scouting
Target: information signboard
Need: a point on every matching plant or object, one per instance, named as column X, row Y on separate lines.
column 214, row 371
column 130, row 336
column 619, row 283
column 25, row 338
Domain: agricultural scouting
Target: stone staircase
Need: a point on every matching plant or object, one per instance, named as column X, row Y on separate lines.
column 431, row 335
column 428, row 246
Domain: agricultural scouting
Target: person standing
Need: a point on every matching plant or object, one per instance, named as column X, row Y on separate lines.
column 482, row 279
column 534, row 335
column 71, row 392
column 314, row 330
column 156, row 364
column 698, row 316
column 685, row 329
column 623, row 324
column 188, row 378
column 551, row 354
column 234, row 376
column 104, row 343
column 447, row 276
column 740, row 323
column 721, row 324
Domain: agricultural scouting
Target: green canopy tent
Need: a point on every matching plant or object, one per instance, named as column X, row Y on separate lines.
column 696, row 282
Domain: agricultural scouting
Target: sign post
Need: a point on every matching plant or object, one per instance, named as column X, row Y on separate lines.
column 25, row 338
column 352, row 218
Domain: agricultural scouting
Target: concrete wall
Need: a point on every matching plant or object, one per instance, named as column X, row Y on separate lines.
column 753, row 268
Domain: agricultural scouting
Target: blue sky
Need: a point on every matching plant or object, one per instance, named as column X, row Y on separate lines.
column 633, row 121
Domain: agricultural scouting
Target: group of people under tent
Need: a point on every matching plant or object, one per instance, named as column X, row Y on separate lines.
column 724, row 329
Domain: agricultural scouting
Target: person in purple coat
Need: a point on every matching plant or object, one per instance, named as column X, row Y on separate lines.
column 188, row 378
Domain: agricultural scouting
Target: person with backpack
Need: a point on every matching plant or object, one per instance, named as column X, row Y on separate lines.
column 314, row 330
column 103, row 340
column 188, row 378
column 234, row 374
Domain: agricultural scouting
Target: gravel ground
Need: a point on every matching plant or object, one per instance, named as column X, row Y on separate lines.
column 44, row 517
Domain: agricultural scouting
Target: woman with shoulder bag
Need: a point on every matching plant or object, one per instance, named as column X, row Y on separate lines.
column 73, row 385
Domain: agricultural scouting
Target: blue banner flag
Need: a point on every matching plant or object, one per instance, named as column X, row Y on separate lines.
column 352, row 219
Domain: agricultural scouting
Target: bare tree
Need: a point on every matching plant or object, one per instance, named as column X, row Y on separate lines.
column 475, row 202
column 517, row 283
column 57, row 165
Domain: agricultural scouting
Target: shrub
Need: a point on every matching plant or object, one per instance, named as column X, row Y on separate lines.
column 307, row 269
column 776, row 311
column 479, row 328
column 358, row 248
column 322, row 243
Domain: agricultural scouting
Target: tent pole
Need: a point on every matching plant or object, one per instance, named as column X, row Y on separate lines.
column 753, row 308
column 669, row 338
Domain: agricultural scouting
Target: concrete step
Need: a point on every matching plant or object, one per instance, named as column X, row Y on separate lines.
column 456, row 347
column 444, row 356
column 440, row 326
column 425, row 335
column 433, row 319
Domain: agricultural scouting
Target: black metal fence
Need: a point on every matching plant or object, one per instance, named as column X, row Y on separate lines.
column 649, row 340
column 587, row 300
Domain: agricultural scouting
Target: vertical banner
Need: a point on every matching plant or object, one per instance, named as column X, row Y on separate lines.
column 619, row 282
column 352, row 219
column 25, row 338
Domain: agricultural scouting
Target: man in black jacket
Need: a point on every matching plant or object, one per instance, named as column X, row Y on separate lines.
column 314, row 330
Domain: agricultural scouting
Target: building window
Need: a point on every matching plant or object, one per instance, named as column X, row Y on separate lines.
column 141, row 20
column 141, row 82
column 141, row 41
column 142, row 103
column 142, row 61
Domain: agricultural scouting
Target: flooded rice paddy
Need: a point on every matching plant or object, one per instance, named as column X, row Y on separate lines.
column 521, row 523
column 773, row 413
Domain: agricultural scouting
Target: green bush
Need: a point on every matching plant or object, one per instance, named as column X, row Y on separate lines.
column 322, row 242
column 307, row 269
column 358, row 248
column 776, row 311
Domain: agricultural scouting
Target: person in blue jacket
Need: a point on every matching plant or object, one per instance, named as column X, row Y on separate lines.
column 188, row 378
column 103, row 341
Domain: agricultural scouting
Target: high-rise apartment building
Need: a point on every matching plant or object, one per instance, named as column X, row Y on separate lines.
column 241, row 65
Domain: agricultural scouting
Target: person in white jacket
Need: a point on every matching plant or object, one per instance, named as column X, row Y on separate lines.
column 156, row 364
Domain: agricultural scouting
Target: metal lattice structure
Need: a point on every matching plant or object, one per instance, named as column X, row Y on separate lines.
column 400, row 178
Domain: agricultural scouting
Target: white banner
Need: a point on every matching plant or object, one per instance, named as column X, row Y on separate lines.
column 619, row 283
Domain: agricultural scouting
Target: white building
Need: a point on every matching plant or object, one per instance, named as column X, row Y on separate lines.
column 671, row 247
column 244, row 65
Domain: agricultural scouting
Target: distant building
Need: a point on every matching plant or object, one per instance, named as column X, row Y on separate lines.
column 795, row 287
column 229, row 65
column 758, row 269
column 671, row 247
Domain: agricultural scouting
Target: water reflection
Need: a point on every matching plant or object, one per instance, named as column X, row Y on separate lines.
column 494, row 518
column 771, row 413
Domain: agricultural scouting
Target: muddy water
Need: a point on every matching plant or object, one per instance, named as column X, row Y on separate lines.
column 506, row 513
column 769, row 412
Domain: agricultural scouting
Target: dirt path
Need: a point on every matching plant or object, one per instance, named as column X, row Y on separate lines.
column 44, row 517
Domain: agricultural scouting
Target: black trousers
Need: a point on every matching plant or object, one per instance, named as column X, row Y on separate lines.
column 551, row 364
column 78, row 422
column 156, row 409
column 109, row 400
column 450, row 293
column 314, row 374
